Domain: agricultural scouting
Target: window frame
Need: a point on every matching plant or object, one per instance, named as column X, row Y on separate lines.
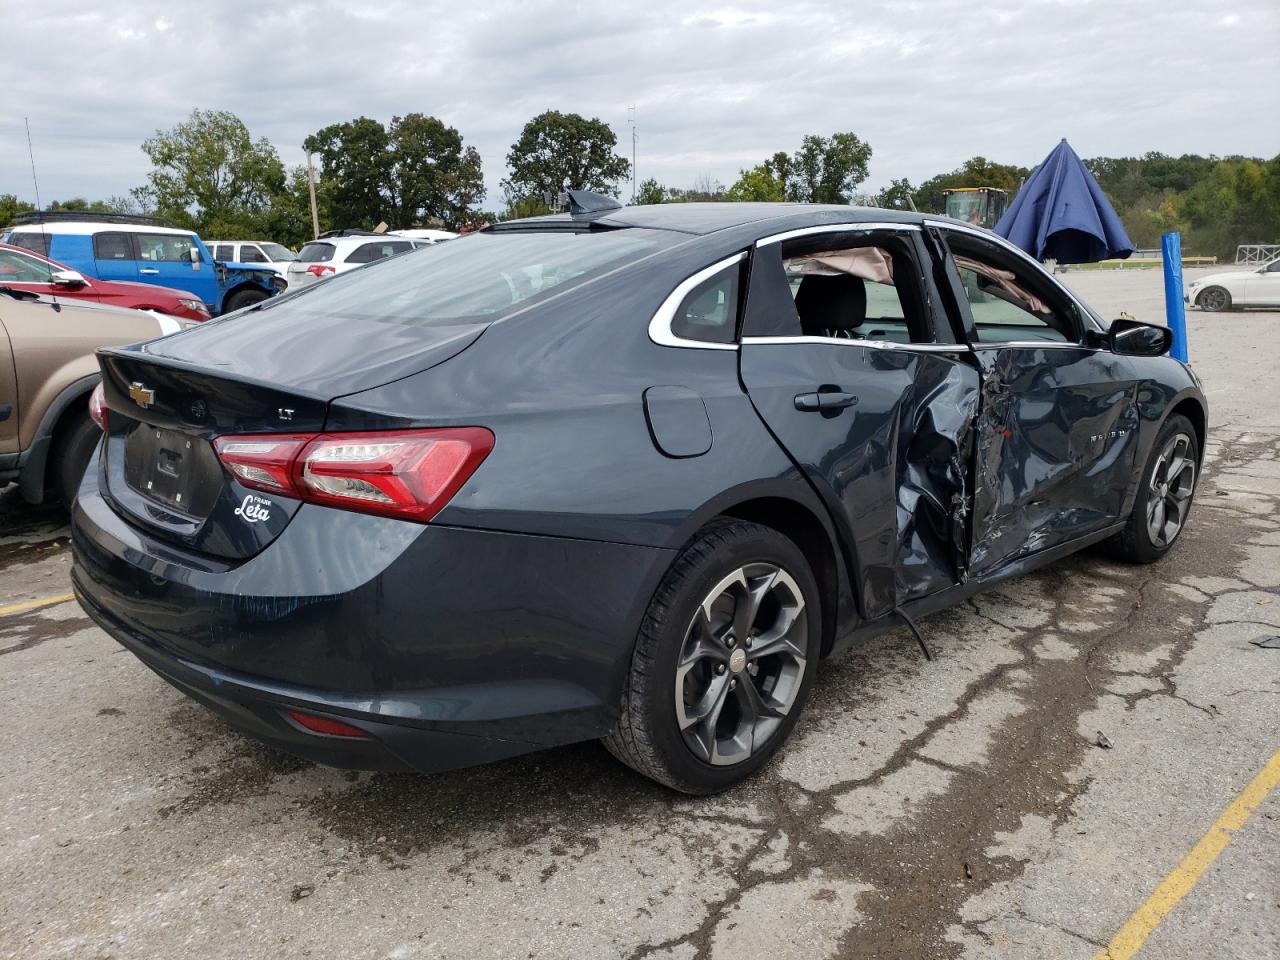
column 944, row 340
column 660, row 331
column 1085, row 322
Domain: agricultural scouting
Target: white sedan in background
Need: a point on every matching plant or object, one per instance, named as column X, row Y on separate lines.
column 1227, row 291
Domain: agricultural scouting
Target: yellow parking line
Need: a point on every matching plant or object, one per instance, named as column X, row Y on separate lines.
column 35, row 604
column 1179, row 883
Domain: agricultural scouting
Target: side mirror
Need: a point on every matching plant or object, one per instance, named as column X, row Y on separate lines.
column 1133, row 338
column 195, row 255
column 71, row 279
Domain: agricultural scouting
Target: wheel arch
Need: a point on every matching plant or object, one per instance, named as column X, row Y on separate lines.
column 33, row 479
column 1193, row 410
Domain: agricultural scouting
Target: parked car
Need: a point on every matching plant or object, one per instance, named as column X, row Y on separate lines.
column 619, row 473
column 23, row 269
column 142, row 249
column 1233, row 289
column 275, row 257
column 341, row 250
column 47, row 372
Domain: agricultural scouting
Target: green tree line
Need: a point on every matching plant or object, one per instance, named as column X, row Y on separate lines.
column 209, row 174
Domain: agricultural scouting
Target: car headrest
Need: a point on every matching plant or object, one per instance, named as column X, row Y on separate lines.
column 830, row 303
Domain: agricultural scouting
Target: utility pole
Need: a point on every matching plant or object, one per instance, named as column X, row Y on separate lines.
column 311, row 189
column 631, row 119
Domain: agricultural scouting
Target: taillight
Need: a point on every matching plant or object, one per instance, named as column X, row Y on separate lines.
column 98, row 407
column 320, row 270
column 409, row 474
column 262, row 462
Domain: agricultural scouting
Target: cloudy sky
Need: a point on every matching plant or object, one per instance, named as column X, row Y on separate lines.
column 716, row 87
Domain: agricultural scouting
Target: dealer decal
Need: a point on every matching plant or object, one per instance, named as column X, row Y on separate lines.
column 254, row 509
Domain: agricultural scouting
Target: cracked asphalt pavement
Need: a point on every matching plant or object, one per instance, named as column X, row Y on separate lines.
column 959, row 808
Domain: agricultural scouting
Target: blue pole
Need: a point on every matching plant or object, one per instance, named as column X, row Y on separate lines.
column 1175, row 311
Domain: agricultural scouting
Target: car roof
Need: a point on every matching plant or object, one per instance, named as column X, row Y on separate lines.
column 359, row 239
column 89, row 227
column 705, row 218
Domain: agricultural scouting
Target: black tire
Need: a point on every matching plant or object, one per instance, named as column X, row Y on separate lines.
column 760, row 695
column 73, row 445
column 1136, row 543
column 244, row 298
column 1214, row 299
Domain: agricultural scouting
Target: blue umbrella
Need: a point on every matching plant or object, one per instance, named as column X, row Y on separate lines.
column 1062, row 214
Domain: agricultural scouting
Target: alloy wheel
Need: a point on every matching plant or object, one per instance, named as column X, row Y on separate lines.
column 1215, row 298
column 1173, row 482
column 741, row 664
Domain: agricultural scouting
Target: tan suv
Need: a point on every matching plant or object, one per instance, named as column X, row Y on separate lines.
column 47, row 372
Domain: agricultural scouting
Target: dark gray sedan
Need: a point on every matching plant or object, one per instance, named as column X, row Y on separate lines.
column 627, row 474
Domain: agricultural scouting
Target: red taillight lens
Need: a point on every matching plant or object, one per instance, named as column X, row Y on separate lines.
column 262, row 462
column 320, row 270
column 98, row 407
column 409, row 474
column 324, row 725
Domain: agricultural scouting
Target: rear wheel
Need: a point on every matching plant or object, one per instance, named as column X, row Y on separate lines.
column 244, row 298
column 1214, row 299
column 1164, row 499
column 72, row 448
column 724, row 660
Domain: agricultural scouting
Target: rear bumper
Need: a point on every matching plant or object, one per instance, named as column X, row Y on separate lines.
column 449, row 647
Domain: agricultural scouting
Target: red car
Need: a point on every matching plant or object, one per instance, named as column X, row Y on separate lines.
column 23, row 269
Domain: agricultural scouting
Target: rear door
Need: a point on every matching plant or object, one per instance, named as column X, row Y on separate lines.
column 855, row 373
column 115, row 256
column 1057, row 427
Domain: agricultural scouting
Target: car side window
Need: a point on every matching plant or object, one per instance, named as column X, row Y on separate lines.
column 251, row 254
column 39, row 242
column 860, row 285
column 369, row 252
column 222, row 251
column 709, row 312
column 165, row 248
column 18, row 268
column 1007, row 302
column 112, row 246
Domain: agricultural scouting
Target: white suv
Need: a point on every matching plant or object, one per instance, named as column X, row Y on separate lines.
column 270, row 256
column 341, row 250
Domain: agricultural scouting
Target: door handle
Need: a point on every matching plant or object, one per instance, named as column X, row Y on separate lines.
column 148, row 270
column 824, row 400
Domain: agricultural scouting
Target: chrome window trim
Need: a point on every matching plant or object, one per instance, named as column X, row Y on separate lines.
column 1037, row 344
column 660, row 326
column 1004, row 244
column 873, row 344
column 835, row 228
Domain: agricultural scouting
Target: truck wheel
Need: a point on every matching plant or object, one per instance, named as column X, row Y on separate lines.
column 244, row 298
column 72, row 448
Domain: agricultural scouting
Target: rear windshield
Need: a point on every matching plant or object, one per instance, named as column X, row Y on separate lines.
column 473, row 279
column 277, row 252
column 315, row 252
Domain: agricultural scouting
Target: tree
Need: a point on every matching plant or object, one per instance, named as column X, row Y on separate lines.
column 414, row 171
column 823, row 170
column 563, row 151
column 757, row 184
column 898, row 195
column 11, row 206
column 209, row 174
column 975, row 172
column 827, row 169
column 650, row 191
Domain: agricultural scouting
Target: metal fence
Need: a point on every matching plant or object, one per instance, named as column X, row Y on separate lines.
column 1257, row 252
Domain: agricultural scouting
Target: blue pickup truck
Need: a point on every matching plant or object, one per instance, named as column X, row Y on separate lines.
column 143, row 249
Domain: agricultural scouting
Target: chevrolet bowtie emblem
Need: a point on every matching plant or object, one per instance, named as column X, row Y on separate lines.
column 141, row 395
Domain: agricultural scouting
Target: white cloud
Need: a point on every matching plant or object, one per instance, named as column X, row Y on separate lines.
column 928, row 84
